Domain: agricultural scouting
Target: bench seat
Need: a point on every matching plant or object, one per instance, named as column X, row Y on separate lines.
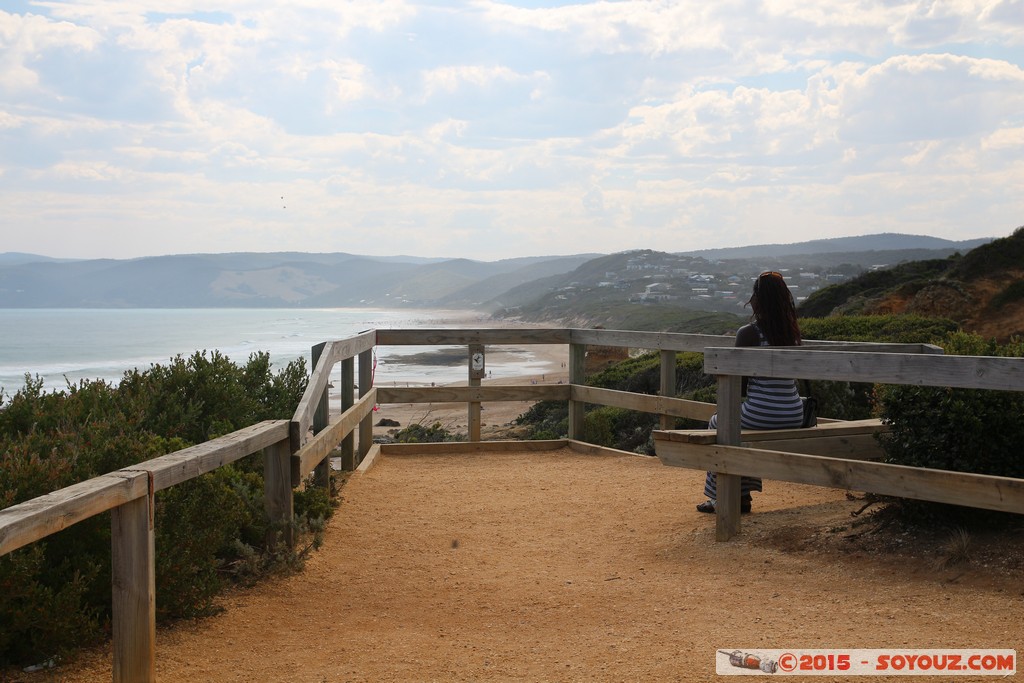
column 851, row 440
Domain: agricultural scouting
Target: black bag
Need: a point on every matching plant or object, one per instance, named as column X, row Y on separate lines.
column 810, row 411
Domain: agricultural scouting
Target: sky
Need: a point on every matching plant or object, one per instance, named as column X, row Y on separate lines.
column 490, row 130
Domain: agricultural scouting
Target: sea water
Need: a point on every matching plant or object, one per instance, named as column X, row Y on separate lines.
column 64, row 346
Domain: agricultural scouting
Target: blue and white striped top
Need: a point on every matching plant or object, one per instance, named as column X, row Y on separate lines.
column 771, row 403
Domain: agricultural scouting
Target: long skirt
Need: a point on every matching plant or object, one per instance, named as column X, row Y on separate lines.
column 747, row 484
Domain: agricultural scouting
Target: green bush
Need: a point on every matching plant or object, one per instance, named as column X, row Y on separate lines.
column 855, row 400
column 624, row 429
column 434, row 433
column 547, row 419
column 1005, row 253
column 966, row 430
column 55, row 594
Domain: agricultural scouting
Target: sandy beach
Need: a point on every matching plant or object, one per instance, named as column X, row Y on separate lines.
column 548, row 364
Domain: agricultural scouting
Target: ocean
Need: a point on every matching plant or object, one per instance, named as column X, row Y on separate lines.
column 69, row 345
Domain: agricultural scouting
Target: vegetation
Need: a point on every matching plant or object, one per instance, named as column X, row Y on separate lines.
column 1000, row 258
column 434, row 433
column 616, row 427
column 55, row 594
column 908, row 276
column 1006, row 253
column 966, row 430
column 630, row 430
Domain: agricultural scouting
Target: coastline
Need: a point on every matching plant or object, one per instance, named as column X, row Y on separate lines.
column 71, row 345
column 505, row 365
column 548, row 364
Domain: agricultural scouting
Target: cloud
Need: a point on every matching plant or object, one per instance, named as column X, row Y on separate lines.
column 927, row 97
column 505, row 128
column 25, row 38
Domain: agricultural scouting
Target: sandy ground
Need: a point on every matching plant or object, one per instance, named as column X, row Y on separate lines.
column 564, row 567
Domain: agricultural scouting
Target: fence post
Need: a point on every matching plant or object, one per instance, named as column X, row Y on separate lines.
column 366, row 424
column 277, row 492
column 577, row 375
column 133, row 589
column 727, row 504
column 668, row 384
column 321, row 418
column 348, row 384
column 476, row 370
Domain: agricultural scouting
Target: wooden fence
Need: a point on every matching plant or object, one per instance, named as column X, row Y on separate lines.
column 888, row 364
column 293, row 449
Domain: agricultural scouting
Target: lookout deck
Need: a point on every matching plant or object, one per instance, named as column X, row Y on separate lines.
column 557, row 566
column 599, row 567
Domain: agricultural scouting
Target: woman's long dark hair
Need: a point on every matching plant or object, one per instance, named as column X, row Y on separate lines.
column 774, row 310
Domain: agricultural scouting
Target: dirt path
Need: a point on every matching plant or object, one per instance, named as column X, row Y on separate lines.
column 564, row 567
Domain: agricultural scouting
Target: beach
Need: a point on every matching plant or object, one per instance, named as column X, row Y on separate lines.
column 505, row 365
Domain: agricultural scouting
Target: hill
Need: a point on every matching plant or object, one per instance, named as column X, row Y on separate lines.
column 285, row 279
column 882, row 242
column 652, row 290
column 608, row 288
column 983, row 290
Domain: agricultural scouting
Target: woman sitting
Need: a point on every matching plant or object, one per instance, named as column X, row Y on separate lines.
column 769, row 403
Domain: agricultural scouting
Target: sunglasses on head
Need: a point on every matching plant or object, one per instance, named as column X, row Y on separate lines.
column 769, row 273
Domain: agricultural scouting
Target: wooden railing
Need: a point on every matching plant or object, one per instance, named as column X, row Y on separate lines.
column 128, row 494
column 293, row 449
column 885, row 364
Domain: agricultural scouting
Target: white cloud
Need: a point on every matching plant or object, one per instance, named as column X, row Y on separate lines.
column 491, row 129
column 930, row 97
column 24, row 38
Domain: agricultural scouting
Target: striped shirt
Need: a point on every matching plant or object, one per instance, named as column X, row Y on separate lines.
column 771, row 403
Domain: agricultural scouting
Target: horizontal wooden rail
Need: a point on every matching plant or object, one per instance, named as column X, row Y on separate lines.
column 539, row 392
column 321, row 445
column 973, row 372
column 663, row 405
column 37, row 518
column 191, row 462
column 956, row 488
column 837, row 428
column 853, row 440
column 870, row 347
column 652, row 341
column 456, row 337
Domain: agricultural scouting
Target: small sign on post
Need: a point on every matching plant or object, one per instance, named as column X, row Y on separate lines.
column 476, row 361
column 476, row 373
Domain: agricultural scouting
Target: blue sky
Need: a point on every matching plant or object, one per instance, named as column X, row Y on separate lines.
column 490, row 130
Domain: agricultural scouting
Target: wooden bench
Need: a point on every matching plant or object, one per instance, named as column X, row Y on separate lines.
column 851, row 440
column 834, row 454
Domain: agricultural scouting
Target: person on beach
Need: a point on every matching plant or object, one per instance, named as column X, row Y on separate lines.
column 768, row 403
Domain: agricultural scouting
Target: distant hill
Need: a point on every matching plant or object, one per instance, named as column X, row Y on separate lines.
column 882, row 242
column 983, row 290
column 13, row 258
column 286, row 279
column 543, row 287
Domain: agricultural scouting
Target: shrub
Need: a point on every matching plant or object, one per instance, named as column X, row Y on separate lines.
column 855, row 400
column 42, row 618
column 966, row 430
column 55, row 594
column 618, row 428
column 435, row 433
